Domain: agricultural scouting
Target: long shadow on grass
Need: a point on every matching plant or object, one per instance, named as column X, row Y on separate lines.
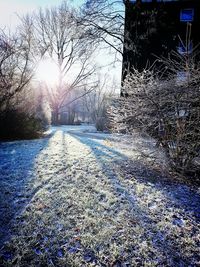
column 17, row 161
column 106, row 155
column 182, row 195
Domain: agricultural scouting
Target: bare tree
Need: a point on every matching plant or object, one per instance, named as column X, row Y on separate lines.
column 60, row 39
column 104, row 23
column 97, row 102
column 16, row 66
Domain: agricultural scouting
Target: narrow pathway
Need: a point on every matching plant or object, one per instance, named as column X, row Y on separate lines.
column 86, row 199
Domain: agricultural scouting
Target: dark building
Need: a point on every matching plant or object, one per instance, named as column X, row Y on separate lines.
column 155, row 28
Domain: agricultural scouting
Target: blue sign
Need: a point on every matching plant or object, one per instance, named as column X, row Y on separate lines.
column 187, row 15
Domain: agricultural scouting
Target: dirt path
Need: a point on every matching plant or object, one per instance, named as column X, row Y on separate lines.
column 86, row 199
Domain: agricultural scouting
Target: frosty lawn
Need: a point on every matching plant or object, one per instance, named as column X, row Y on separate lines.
column 80, row 198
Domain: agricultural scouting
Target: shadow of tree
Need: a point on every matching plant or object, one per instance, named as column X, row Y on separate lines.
column 16, row 173
column 178, row 198
column 118, row 169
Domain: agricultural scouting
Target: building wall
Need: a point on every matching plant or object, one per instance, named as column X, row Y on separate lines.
column 154, row 29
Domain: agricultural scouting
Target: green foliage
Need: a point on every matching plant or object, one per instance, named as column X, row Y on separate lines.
column 16, row 124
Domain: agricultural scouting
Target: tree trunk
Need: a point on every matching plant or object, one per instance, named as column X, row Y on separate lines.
column 55, row 117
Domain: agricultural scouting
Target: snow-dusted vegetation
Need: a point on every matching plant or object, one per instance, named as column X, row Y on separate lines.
column 82, row 198
column 79, row 197
column 165, row 107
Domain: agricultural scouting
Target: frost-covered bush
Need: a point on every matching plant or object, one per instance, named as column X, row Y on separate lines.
column 167, row 108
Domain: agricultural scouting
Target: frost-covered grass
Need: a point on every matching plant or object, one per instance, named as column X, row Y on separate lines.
column 91, row 199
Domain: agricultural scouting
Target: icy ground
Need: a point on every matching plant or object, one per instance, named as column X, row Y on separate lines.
column 81, row 198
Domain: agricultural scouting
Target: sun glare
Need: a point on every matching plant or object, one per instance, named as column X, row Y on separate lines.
column 47, row 71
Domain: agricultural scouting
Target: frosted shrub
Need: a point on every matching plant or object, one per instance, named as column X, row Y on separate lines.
column 168, row 109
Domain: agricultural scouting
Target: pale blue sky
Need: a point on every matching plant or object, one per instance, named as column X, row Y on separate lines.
column 9, row 8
